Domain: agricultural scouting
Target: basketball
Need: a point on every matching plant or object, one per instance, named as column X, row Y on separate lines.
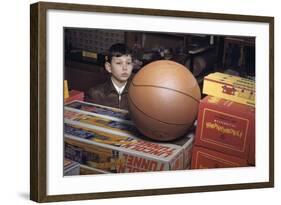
column 163, row 100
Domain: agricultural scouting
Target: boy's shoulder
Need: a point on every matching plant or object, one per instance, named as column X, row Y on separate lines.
column 103, row 88
column 100, row 85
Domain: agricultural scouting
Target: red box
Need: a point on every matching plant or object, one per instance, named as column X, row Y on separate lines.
column 252, row 152
column 226, row 126
column 75, row 95
column 203, row 158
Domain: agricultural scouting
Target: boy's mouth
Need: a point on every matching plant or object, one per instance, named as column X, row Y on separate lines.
column 124, row 75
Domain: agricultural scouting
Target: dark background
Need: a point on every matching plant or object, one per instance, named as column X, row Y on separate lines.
column 85, row 51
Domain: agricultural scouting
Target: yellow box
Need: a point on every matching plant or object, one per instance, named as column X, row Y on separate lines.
column 65, row 89
column 89, row 54
column 234, row 88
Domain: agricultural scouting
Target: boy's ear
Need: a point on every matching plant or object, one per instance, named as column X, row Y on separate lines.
column 107, row 67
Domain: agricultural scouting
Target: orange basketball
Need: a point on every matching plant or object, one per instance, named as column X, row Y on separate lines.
column 163, row 100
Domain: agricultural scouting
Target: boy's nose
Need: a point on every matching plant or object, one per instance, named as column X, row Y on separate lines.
column 124, row 66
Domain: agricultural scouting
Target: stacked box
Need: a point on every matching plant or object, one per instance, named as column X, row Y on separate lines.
column 207, row 158
column 74, row 95
column 252, row 151
column 114, row 145
column 98, row 110
column 70, row 168
column 226, row 122
column 225, row 127
column 237, row 89
column 113, row 153
column 105, row 124
column 86, row 170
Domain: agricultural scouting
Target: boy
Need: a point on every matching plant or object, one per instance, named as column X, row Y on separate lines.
column 114, row 92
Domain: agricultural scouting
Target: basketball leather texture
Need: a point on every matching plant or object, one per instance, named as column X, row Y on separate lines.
column 163, row 100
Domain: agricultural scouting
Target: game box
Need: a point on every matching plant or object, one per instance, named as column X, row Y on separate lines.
column 226, row 126
column 230, row 87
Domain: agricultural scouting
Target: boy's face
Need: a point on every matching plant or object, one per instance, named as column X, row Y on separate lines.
column 120, row 68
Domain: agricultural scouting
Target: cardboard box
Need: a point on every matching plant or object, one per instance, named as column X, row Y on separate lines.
column 186, row 148
column 74, row 95
column 90, row 54
column 252, row 152
column 101, row 123
column 203, row 158
column 100, row 117
column 237, row 89
column 86, row 170
column 225, row 126
column 98, row 110
column 114, row 153
column 104, row 138
column 70, row 167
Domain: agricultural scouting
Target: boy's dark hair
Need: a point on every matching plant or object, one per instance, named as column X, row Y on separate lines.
column 117, row 50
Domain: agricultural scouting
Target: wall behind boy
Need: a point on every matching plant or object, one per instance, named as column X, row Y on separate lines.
column 14, row 52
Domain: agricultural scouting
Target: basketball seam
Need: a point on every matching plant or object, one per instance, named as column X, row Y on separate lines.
column 167, row 89
column 151, row 116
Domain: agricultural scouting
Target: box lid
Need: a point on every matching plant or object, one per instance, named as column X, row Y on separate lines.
column 231, row 80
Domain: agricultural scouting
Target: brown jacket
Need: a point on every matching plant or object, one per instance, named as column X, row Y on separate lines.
column 106, row 94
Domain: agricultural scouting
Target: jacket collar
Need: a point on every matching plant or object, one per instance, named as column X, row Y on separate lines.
column 109, row 87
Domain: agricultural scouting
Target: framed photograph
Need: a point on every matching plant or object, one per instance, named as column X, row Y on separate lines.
column 99, row 132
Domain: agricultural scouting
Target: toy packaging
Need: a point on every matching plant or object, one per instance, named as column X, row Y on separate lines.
column 113, row 125
column 113, row 153
column 98, row 110
column 86, row 170
column 226, row 126
column 203, row 158
column 70, row 168
column 230, row 87
column 109, row 144
column 74, row 95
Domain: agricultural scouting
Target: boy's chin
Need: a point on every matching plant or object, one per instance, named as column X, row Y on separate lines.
column 123, row 79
